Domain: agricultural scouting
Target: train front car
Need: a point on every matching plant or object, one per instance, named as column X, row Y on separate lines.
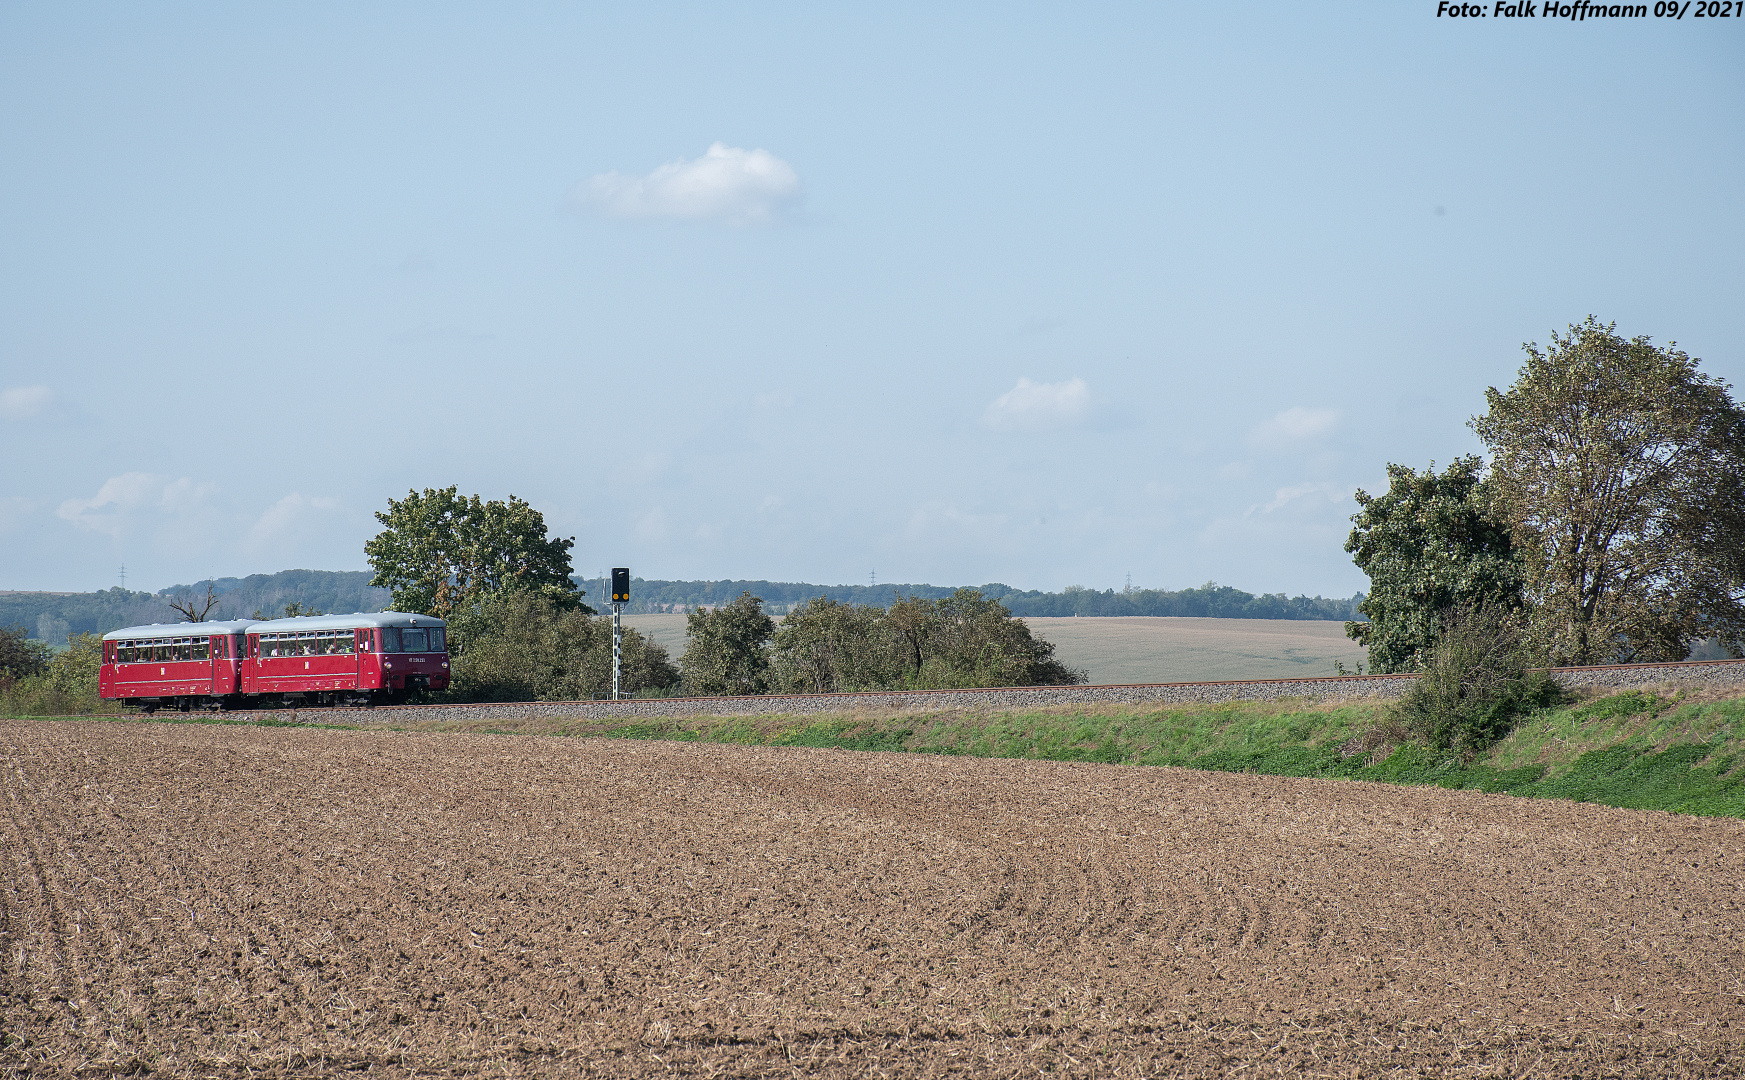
column 361, row 659
column 175, row 665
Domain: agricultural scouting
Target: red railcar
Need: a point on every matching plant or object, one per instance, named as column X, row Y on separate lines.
column 359, row 659
column 346, row 659
column 175, row 664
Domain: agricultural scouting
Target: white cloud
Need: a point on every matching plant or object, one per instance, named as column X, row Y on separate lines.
column 1296, row 492
column 740, row 187
column 21, row 402
column 1031, row 406
column 289, row 518
column 1295, row 424
column 134, row 498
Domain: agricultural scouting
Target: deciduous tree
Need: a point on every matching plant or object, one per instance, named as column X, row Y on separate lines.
column 1620, row 470
column 439, row 550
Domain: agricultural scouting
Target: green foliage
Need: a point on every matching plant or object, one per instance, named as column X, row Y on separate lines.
column 20, row 657
column 1620, row 469
column 1429, row 545
column 968, row 640
column 1478, row 682
column 527, row 646
column 66, row 686
column 826, row 647
column 439, row 551
column 727, row 651
column 959, row 641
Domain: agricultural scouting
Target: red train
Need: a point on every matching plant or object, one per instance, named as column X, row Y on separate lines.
column 318, row 659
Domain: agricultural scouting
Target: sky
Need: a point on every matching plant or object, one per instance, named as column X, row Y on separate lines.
column 1044, row 294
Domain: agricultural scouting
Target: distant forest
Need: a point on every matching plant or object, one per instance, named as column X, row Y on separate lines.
column 1211, row 600
column 50, row 617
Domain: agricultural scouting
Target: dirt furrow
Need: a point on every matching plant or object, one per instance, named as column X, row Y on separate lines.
column 231, row 901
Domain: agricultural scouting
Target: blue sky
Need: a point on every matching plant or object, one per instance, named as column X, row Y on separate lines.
column 1042, row 294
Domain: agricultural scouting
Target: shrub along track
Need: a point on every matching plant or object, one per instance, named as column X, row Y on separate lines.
column 200, row 900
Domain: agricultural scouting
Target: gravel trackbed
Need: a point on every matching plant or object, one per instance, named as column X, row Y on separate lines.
column 232, row 901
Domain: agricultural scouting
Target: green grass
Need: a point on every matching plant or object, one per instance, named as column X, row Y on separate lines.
column 1634, row 749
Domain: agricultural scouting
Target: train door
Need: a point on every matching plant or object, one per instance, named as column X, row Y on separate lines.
column 368, row 664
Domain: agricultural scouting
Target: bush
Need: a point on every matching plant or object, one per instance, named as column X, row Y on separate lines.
column 728, row 648
column 529, row 646
column 65, row 686
column 959, row 641
column 1479, row 681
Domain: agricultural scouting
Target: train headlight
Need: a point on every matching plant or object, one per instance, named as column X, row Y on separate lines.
column 389, row 664
column 445, row 663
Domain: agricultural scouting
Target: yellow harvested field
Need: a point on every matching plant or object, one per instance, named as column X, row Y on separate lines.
column 1141, row 649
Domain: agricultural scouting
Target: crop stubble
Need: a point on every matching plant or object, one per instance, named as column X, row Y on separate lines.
column 203, row 900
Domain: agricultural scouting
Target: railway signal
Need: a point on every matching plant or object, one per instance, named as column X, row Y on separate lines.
column 620, row 597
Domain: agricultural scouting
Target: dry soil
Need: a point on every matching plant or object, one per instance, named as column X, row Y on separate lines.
column 198, row 900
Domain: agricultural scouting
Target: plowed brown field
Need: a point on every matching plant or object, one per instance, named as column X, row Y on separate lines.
column 201, row 900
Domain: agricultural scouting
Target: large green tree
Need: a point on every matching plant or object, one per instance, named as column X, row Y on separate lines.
column 439, row 551
column 1431, row 544
column 1619, row 468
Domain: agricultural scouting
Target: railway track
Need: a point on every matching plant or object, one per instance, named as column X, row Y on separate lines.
column 1711, row 673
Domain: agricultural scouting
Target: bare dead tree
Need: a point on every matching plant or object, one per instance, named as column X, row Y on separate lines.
column 192, row 608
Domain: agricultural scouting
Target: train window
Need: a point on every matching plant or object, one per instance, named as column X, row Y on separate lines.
column 161, row 650
column 269, row 644
column 412, row 641
column 390, row 639
column 306, row 643
column 436, row 641
column 345, row 643
column 184, row 649
column 202, row 648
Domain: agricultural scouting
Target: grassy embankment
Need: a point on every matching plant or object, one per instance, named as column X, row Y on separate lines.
column 1661, row 751
column 1664, row 750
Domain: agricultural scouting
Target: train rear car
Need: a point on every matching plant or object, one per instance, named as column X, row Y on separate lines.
column 175, row 665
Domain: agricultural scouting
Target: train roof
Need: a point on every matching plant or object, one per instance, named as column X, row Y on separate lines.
column 344, row 622
column 180, row 629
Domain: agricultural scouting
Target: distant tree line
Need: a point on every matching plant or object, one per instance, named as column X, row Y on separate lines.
column 1210, row 600
column 51, row 616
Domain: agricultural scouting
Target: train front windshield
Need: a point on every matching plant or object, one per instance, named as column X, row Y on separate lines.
column 395, row 640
